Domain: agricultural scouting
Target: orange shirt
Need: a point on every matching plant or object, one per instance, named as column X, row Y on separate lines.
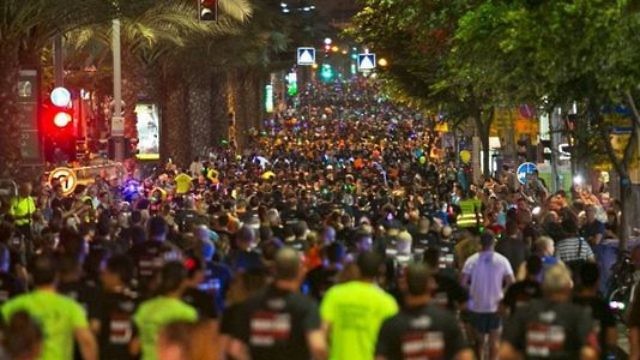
column 313, row 258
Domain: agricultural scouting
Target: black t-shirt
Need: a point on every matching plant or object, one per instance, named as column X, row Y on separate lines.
column 530, row 234
column 521, row 294
column 148, row 257
column 426, row 332
column 10, row 287
column 345, row 234
column 386, row 245
column 275, row 324
column 82, row 291
column 422, row 242
column 231, row 318
column 87, row 295
column 447, row 259
column 57, row 205
column 128, row 236
column 320, row 279
column 203, row 302
column 448, row 293
column 601, row 313
column 549, row 330
column 115, row 313
column 278, row 231
column 186, row 219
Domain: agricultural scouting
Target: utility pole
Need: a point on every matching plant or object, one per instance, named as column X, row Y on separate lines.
column 117, row 120
column 554, row 136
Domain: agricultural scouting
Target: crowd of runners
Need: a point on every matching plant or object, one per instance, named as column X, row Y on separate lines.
column 346, row 230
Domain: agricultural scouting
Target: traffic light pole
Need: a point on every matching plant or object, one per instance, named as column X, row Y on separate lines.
column 117, row 121
column 58, row 61
column 554, row 137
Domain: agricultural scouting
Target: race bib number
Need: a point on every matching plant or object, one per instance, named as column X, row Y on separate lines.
column 267, row 328
column 440, row 299
column 423, row 345
column 120, row 329
column 544, row 339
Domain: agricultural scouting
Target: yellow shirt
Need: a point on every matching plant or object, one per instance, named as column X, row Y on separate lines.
column 355, row 311
column 183, row 183
column 22, row 208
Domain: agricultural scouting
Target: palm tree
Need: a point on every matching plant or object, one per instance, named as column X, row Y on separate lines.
column 221, row 76
column 148, row 40
column 25, row 28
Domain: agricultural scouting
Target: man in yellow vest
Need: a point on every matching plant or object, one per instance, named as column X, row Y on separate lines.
column 22, row 208
column 470, row 211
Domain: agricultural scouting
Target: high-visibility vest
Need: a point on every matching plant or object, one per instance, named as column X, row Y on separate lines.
column 469, row 208
column 21, row 207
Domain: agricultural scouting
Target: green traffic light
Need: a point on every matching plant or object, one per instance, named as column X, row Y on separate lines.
column 327, row 72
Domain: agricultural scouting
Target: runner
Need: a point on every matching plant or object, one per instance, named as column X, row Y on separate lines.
column 353, row 324
column 62, row 319
column 421, row 330
column 551, row 327
column 163, row 309
column 279, row 323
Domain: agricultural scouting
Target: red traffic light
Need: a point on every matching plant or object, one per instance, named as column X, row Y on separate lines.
column 56, row 118
column 208, row 10
column 62, row 119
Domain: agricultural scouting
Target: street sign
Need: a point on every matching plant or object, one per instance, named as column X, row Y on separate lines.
column 66, row 177
column 306, row 56
column 564, row 152
column 366, row 62
column 117, row 126
column 524, row 170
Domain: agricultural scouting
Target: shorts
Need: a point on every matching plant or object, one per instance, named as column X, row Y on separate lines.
column 485, row 323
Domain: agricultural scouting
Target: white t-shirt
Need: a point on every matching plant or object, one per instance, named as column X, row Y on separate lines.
column 486, row 271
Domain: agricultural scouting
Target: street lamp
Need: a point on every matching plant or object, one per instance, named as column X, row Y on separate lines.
column 383, row 62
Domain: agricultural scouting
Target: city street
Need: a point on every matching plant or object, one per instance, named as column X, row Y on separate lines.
column 303, row 179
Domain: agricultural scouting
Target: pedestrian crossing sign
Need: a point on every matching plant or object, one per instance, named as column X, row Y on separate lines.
column 366, row 62
column 306, row 56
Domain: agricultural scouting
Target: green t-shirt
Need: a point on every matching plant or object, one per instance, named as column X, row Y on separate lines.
column 58, row 315
column 355, row 311
column 153, row 315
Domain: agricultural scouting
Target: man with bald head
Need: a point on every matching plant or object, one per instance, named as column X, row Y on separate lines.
column 279, row 322
column 551, row 327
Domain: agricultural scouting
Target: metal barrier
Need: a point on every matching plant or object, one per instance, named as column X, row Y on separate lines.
column 86, row 175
